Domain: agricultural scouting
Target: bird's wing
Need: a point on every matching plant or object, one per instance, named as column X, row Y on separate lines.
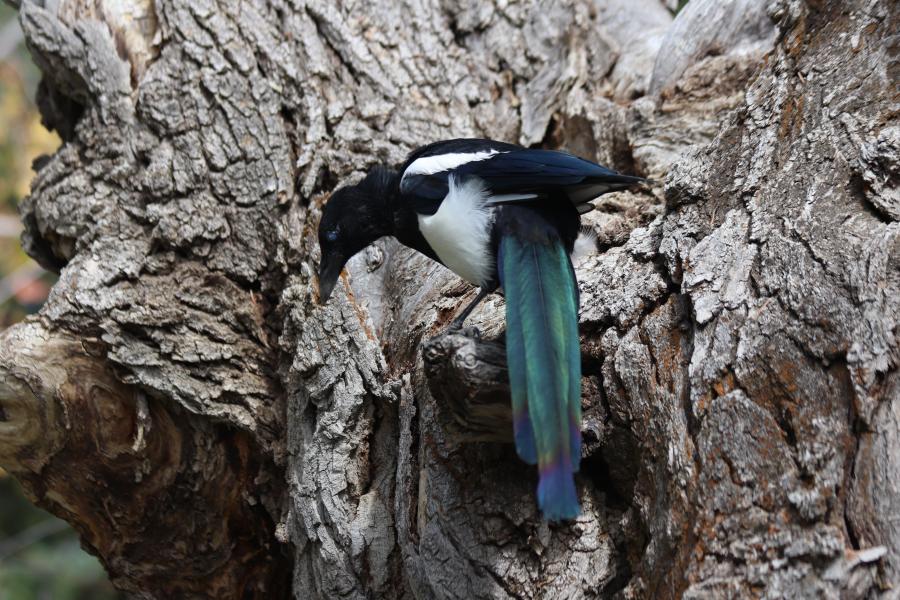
column 512, row 176
column 426, row 173
column 510, row 173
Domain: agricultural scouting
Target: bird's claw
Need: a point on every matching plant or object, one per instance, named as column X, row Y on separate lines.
column 470, row 332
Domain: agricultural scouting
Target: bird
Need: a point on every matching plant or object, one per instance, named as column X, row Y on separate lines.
column 500, row 216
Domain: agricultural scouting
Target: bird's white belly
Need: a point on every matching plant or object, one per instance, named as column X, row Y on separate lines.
column 460, row 231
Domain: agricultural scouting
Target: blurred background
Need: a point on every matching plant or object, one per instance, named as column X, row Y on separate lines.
column 40, row 556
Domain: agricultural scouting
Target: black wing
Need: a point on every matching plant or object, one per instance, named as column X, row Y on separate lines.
column 426, row 191
column 511, row 173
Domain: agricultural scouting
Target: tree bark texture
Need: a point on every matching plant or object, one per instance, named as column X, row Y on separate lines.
column 211, row 431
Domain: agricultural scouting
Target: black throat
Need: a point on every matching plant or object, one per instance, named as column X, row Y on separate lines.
column 404, row 222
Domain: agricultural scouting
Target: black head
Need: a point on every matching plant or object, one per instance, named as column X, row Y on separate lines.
column 354, row 217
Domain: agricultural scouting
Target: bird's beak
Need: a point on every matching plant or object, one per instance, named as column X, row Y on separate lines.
column 329, row 270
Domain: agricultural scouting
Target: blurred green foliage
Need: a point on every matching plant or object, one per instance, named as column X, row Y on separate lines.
column 40, row 555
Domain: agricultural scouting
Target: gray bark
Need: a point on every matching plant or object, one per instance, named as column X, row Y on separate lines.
column 211, row 431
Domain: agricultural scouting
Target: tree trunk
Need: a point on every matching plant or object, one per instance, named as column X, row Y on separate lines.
column 211, row 431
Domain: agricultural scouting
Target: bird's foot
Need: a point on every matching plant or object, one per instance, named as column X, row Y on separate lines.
column 457, row 328
column 472, row 332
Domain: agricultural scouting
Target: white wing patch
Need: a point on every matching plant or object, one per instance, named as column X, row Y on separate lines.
column 501, row 198
column 428, row 165
column 460, row 231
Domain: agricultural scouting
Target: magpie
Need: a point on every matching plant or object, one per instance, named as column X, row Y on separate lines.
column 496, row 214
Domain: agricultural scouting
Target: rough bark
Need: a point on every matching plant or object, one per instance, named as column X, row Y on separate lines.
column 213, row 432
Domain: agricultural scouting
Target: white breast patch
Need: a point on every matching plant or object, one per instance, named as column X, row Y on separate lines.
column 460, row 231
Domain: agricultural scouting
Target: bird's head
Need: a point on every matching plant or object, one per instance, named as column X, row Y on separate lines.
column 354, row 217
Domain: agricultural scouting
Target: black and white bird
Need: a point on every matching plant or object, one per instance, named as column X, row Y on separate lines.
column 497, row 215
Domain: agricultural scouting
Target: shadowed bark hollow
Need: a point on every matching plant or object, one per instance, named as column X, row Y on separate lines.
column 211, row 431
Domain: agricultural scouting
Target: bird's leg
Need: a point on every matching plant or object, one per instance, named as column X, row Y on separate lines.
column 457, row 323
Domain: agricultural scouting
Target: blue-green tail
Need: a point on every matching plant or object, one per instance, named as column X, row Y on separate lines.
column 544, row 363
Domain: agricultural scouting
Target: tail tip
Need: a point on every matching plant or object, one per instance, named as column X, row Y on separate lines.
column 557, row 497
column 562, row 512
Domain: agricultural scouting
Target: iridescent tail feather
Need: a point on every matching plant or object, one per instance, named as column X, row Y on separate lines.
column 544, row 363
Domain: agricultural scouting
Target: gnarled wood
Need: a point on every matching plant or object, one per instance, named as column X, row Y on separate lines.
column 738, row 325
column 164, row 498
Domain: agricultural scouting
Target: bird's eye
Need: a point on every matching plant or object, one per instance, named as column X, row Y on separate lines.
column 331, row 235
